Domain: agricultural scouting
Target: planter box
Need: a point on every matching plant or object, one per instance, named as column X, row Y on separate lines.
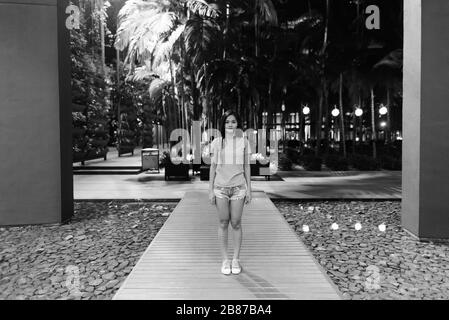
column 180, row 170
column 204, row 173
column 124, row 149
column 258, row 169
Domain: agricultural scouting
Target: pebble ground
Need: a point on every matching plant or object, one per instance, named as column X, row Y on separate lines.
column 370, row 264
column 90, row 256
column 87, row 258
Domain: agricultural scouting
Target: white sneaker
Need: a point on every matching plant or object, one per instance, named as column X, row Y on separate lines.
column 236, row 268
column 226, row 267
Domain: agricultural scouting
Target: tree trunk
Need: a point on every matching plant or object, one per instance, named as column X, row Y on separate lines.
column 196, row 107
column 319, row 123
column 183, row 107
column 256, row 28
column 103, row 55
column 119, row 118
column 342, row 116
column 327, row 117
column 172, row 119
column 388, row 128
column 373, row 124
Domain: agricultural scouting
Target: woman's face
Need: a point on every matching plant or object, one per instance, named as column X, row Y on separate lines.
column 231, row 122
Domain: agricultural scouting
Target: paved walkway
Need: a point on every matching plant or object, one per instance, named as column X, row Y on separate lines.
column 149, row 186
column 183, row 260
column 284, row 185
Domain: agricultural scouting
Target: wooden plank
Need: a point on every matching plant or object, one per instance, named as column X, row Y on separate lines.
column 183, row 260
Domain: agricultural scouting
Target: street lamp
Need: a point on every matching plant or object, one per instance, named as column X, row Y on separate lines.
column 306, row 110
column 358, row 114
column 335, row 112
column 283, row 124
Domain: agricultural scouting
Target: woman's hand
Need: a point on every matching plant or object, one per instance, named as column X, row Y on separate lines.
column 211, row 197
column 248, row 197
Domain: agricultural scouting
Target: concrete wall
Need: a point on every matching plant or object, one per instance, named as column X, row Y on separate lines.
column 426, row 119
column 35, row 170
column 411, row 115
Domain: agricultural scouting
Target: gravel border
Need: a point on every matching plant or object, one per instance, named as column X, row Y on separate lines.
column 89, row 257
column 86, row 258
column 370, row 264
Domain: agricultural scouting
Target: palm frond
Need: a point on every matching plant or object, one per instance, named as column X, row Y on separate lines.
column 392, row 60
column 203, row 9
column 164, row 49
column 268, row 12
column 200, row 33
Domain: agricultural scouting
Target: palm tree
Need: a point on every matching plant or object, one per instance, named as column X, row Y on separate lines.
column 152, row 32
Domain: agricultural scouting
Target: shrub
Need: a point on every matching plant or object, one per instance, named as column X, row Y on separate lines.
column 364, row 163
column 285, row 163
column 336, row 162
column 311, row 163
column 164, row 159
column 292, row 154
column 391, row 163
column 308, row 151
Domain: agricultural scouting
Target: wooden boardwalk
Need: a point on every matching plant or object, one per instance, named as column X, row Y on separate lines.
column 183, row 260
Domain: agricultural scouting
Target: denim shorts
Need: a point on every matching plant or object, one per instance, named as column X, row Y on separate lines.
column 231, row 193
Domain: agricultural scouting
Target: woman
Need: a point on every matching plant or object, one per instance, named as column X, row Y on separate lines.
column 230, row 185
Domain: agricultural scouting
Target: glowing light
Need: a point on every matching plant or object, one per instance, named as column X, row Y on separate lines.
column 383, row 110
column 358, row 226
column 383, row 124
column 382, row 227
column 334, row 226
column 305, row 228
column 335, row 112
column 306, row 110
column 358, row 112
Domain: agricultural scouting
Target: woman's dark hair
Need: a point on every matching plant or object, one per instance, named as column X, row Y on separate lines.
column 223, row 123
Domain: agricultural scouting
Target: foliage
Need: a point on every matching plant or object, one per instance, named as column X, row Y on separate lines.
column 311, row 162
column 336, row 162
column 201, row 57
column 89, row 91
column 391, row 163
column 364, row 163
column 285, row 163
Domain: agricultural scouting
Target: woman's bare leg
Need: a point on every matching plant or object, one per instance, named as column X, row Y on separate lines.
column 236, row 223
column 223, row 217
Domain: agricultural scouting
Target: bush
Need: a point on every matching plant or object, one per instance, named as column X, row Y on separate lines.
column 364, row 163
column 311, row 163
column 336, row 162
column 391, row 163
column 285, row 163
column 308, row 151
column 164, row 159
column 292, row 154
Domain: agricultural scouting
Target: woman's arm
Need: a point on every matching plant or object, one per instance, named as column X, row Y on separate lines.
column 247, row 170
column 213, row 167
column 212, row 172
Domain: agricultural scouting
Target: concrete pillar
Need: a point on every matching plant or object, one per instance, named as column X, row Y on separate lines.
column 425, row 175
column 36, row 184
